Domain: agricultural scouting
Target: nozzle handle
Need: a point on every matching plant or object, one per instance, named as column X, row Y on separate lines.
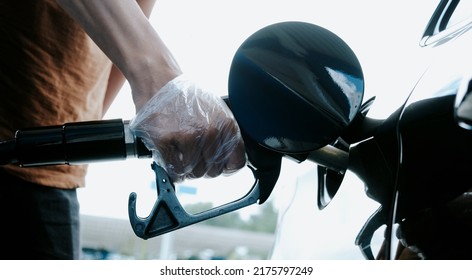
column 168, row 214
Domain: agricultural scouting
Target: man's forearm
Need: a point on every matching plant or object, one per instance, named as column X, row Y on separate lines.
column 123, row 32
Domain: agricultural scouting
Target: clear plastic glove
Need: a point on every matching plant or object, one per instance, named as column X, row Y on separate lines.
column 192, row 133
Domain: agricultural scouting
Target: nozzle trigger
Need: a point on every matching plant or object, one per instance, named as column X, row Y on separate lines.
column 364, row 238
column 168, row 214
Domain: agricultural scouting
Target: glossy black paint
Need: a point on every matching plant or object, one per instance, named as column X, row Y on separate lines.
column 436, row 155
column 294, row 87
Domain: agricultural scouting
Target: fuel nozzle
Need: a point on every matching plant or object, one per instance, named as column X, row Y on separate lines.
column 73, row 143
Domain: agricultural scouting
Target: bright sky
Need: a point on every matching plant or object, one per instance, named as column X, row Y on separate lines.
column 204, row 36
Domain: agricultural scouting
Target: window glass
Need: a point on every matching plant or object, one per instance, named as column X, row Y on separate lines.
column 461, row 12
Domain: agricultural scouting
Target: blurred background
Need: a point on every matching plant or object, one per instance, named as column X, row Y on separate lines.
column 203, row 36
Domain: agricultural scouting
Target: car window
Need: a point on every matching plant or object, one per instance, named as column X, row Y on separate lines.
column 449, row 20
column 462, row 12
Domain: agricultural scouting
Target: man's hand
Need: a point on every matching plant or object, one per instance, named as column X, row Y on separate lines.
column 191, row 132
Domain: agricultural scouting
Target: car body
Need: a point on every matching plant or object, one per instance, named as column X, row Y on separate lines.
column 415, row 163
column 434, row 134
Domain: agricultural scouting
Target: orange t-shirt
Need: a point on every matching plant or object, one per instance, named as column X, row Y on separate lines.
column 51, row 73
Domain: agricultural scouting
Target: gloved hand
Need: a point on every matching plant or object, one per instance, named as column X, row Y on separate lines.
column 192, row 133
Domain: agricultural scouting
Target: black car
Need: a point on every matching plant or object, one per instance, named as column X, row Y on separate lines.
column 296, row 90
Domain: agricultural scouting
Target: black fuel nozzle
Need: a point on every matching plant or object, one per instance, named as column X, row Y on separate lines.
column 73, row 143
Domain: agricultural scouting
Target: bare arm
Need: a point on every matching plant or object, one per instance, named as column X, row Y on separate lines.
column 121, row 29
column 191, row 132
column 115, row 83
column 116, row 78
